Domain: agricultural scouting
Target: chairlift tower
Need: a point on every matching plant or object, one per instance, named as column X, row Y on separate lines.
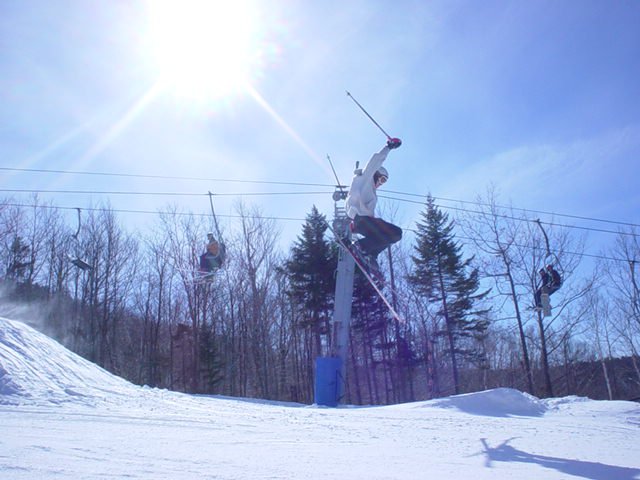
column 344, row 285
column 331, row 371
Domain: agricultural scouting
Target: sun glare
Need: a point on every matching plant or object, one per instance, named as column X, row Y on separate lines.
column 204, row 48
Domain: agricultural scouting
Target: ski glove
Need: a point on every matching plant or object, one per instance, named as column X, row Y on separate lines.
column 393, row 143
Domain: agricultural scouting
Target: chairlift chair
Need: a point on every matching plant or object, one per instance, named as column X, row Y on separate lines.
column 76, row 260
column 210, row 262
column 550, row 259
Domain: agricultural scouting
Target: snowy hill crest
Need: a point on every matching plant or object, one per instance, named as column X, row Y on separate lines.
column 35, row 368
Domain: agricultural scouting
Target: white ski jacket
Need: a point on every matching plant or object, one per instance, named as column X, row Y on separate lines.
column 362, row 198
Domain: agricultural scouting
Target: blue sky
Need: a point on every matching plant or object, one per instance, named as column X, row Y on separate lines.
column 539, row 98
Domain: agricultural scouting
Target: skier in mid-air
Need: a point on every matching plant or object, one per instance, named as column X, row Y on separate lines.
column 361, row 204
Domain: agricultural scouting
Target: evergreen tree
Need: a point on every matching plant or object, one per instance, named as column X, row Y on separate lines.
column 311, row 271
column 448, row 281
column 211, row 364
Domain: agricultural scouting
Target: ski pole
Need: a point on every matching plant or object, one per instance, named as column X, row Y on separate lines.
column 370, row 117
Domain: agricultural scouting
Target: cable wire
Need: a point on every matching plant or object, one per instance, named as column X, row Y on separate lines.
column 241, row 194
column 170, row 177
column 149, row 212
column 510, row 217
column 526, row 210
column 162, row 177
column 167, row 194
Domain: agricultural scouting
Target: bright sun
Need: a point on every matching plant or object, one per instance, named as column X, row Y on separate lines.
column 204, row 48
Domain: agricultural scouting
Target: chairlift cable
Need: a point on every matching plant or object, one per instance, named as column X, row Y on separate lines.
column 213, row 213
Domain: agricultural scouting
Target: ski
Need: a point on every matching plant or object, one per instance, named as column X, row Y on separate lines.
column 546, row 304
column 78, row 262
column 368, row 276
column 196, row 276
column 374, row 272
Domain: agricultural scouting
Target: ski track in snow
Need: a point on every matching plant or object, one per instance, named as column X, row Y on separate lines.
column 63, row 417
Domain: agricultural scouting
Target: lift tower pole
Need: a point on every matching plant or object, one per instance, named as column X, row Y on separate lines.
column 344, row 292
column 331, row 371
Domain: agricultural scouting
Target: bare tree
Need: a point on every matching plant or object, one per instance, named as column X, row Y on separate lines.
column 602, row 335
column 184, row 236
column 258, row 259
column 515, row 246
column 107, row 289
column 624, row 288
column 496, row 231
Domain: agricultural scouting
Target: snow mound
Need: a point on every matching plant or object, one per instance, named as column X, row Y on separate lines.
column 35, row 369
column 499, row 402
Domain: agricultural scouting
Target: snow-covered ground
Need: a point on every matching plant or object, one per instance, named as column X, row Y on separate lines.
column 62, row 417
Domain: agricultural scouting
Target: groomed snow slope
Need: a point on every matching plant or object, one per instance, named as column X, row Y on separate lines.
column 65, row 418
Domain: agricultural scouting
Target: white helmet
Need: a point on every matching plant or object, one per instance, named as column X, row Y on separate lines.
column 383, row 172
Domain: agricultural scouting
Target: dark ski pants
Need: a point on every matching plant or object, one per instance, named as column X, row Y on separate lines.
column 377, row 234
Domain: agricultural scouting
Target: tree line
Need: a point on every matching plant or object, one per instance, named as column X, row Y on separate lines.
column 464, row 287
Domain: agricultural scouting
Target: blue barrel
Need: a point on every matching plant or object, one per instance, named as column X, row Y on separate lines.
column 327, row 391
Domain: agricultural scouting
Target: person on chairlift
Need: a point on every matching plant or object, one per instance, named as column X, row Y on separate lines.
column 213, row 258
column 550, row 282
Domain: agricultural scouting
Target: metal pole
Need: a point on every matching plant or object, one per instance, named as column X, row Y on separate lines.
column 370, row 117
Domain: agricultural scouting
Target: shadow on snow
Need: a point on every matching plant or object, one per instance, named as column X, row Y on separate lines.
column 578, row 468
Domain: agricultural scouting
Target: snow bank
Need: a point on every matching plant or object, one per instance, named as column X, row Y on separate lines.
column 35, row 368
column 499, row 402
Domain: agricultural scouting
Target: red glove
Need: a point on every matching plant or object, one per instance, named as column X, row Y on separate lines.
column 393, row 143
